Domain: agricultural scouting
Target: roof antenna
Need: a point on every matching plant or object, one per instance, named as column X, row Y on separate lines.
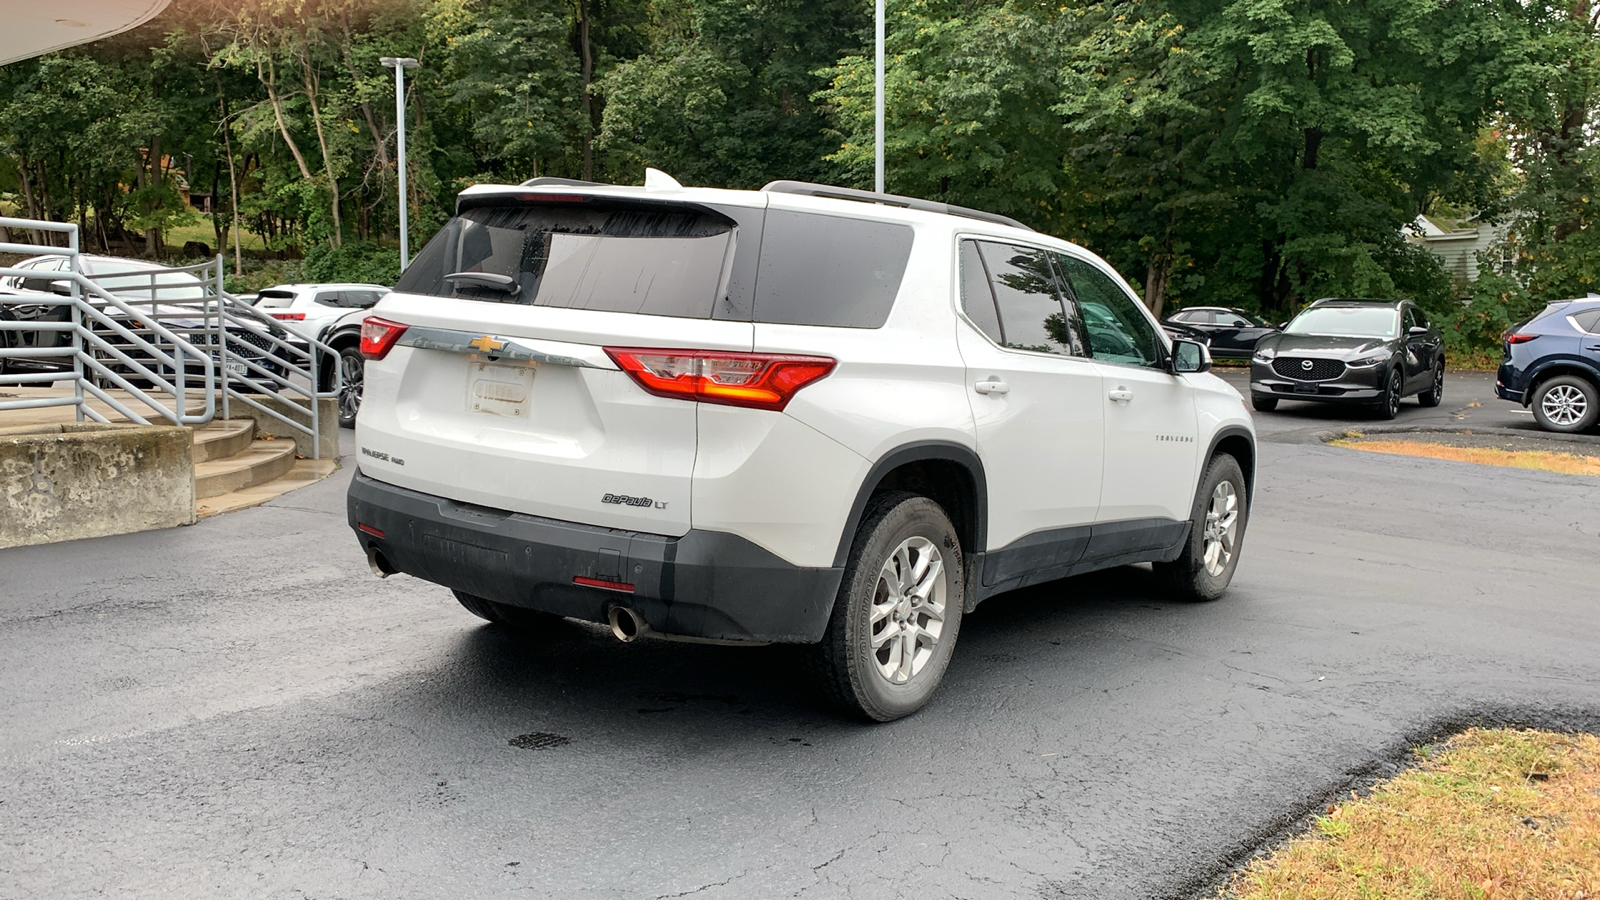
column 657, row 180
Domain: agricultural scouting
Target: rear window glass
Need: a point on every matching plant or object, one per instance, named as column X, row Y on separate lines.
column 829, row 270
column 664, row 262
column 274, row 299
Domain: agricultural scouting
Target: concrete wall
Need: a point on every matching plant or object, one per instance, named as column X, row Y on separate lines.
column 63, row 482
column 327, row 420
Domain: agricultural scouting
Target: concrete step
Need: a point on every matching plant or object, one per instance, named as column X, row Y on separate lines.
column 260, row 463
column 223, row 438
column 304, row 472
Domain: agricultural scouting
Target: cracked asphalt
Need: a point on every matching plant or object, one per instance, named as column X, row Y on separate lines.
column 238, row 709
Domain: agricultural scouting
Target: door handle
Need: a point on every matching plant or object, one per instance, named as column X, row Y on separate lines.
column 1120, row 394
column 992, row 386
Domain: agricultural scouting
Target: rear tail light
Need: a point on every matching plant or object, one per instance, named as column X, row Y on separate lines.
column 1520, row 338
column 289, row 317
column 754, row 380
column 378, row 336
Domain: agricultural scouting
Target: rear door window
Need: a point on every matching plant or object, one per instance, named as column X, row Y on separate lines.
column 829, row 270
column 329, row 298
column 665, row 261
column 1032, row 316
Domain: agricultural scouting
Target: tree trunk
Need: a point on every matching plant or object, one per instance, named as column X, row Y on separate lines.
column 588, row 77
column 310, row 78
column 233, row 189
column 269, row 79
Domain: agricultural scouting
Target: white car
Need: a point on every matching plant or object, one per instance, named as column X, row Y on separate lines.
column 803, row 414
column 308, row 309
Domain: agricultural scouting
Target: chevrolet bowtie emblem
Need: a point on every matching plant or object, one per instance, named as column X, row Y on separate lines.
column 486, row 343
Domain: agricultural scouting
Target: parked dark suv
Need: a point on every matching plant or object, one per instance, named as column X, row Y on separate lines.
column 1351, row 351
column 1232, row 333
column 1552, row 365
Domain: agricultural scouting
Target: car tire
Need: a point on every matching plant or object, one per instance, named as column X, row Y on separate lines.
column 1263, row 404
column 890, row 595
column 508, row 616
column 1388, row 405
column 1435, row 392
column 352, row 370
column 1217, row 523
column 1566, row 404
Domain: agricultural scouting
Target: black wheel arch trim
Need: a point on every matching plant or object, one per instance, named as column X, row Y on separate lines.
column 1248, row 465
column 1554, row 367
column 919, row 451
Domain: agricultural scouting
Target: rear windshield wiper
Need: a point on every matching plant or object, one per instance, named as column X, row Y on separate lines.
column 489, row 280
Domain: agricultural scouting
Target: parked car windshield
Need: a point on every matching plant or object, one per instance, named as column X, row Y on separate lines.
column 1346, row 321
column 135, row 285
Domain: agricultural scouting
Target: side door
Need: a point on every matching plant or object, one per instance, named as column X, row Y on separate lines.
column 1151, row 447
column 1422, row 349
column 1036, row 404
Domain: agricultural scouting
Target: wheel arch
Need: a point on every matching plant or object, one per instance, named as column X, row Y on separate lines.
column 945, row 472
column 1556, row 367
column 1237, row 442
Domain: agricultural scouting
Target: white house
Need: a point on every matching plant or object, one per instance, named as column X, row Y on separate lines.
column 1457, row 248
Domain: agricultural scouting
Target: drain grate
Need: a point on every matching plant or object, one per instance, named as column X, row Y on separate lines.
column 539, row 740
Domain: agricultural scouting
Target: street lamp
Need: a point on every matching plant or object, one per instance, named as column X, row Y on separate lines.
column 877, row 156
column 400, row 65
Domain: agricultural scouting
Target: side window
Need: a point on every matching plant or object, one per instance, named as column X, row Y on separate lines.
column 329, row 298
column 1118, row 330
column 1231, row 320
column 1200, row 317
column 1031, row 313
column 1588, row 321
column 977, row 300
column 829, row 270
column 1422, row 317
column 360, row 299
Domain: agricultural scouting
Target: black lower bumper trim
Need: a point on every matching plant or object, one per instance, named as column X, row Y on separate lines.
column 704, row 584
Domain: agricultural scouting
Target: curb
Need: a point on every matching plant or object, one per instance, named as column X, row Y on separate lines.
column 1541, row 435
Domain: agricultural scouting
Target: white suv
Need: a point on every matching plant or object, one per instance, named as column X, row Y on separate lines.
column 309, row 309
column 803, row 414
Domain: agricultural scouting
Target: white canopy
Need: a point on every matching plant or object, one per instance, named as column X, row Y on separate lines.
column 33, row 27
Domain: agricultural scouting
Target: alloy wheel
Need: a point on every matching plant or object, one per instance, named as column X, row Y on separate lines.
column 908, row 610
column 1564, row 405
column 1221, row 528
column 351, row 370
column 1392, row 399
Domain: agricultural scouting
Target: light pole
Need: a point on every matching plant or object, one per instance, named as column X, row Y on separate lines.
column 877, row 148
column 400, row 65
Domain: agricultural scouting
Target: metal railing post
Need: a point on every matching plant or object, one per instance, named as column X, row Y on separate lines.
column 75, row 266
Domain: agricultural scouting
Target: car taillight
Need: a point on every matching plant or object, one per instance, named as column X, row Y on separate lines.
column 288, row 317
column 1519, row 338
column 378, row 336
column 754, row 380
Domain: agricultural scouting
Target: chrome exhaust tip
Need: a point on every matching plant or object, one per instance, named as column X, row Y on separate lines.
column 379, row 564
column 626, row 624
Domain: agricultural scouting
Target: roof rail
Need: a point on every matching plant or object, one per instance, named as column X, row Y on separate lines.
column 551, row 181
column 808, row 189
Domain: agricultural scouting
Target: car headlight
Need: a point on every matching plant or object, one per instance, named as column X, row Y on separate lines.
column 1367, row 362
column 1265, row 355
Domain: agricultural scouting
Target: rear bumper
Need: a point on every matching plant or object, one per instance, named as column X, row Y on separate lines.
column 704, row 584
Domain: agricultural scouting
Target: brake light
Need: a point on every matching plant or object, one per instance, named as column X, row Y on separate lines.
column 604, row 583
column 288, row 317
column 1520, row 338
column 753, row 380
column 378, row 336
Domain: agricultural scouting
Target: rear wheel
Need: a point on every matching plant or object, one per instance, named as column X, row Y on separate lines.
column 1205, row 568
column 898, row 611
column 1263, row 404
column 352, row 370
column 1435, row 391
column 1566, row 404
column 1389, row 403
column 508, row 616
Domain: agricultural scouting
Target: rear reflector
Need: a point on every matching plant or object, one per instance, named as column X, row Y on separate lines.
column 622, row 586
column 288, row 317
column 378, row 336
column 754, row 380
column 368, row 529
column 1519, row 338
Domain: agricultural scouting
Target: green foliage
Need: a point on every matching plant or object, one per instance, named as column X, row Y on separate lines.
column 353, row 261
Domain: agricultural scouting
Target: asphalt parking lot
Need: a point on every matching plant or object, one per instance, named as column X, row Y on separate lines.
column 239, row 709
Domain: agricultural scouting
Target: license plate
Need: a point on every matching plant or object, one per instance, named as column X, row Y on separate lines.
column 1305, row 389
column 500, row 390
column 239, row 369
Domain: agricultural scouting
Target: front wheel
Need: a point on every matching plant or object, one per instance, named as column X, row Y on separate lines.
column 898, row 610
column 1435, row 391
column 1389, row 403
column 1216, row 535
column 1263, row 404
column 1566, row 404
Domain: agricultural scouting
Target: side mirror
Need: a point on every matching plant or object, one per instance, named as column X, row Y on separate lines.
column 1281, row 326
column 1417, row 330
column 1190, row 357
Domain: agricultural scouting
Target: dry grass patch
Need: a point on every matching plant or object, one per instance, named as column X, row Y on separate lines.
column 1489, row 814
column 1549, row 461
